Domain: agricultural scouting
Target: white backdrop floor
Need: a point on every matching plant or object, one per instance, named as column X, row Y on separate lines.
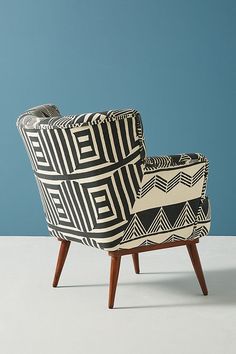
column 160, row 310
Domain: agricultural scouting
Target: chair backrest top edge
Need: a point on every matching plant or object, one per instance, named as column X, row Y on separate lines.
column 47, row 116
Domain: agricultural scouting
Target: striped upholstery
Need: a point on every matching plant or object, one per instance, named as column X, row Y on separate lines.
column 99, row 188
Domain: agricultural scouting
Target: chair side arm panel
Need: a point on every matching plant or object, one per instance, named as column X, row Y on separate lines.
column 171, row 204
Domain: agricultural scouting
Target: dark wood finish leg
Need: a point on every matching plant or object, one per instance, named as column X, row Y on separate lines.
column 136, row 262
column 193, row 253
column 114, row 273
column 64, row 248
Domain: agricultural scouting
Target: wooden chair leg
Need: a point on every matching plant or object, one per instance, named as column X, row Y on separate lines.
column 114, row 273
column 136, row 262
column 64, row 248
column 193, row 253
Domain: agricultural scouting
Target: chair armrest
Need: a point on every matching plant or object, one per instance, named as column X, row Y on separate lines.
column 165, row 162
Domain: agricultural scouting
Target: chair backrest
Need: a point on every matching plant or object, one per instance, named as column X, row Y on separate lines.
column 88, row 168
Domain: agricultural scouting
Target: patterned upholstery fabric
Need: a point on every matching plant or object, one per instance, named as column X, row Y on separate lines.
column 99, row 188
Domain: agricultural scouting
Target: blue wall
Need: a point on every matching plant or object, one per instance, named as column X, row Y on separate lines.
column 174, row 60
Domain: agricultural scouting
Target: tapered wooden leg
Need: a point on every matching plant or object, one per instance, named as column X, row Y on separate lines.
column 64, row 248
column 193, row 253
column 114, row 273
column 136, row 263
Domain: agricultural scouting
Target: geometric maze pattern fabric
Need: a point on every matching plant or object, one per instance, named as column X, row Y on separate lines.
column 98, row 187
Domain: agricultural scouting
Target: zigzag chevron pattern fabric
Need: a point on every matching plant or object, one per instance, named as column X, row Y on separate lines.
column 99, row 188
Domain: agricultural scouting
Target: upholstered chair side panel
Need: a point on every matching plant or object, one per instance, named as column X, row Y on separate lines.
column 171, row 203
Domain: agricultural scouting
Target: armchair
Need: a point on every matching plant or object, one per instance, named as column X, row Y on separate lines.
column 99, row 188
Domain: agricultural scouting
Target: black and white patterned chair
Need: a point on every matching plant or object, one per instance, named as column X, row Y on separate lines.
column 100, row 189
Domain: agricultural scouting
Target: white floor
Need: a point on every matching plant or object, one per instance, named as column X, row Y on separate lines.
column 160, row 311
